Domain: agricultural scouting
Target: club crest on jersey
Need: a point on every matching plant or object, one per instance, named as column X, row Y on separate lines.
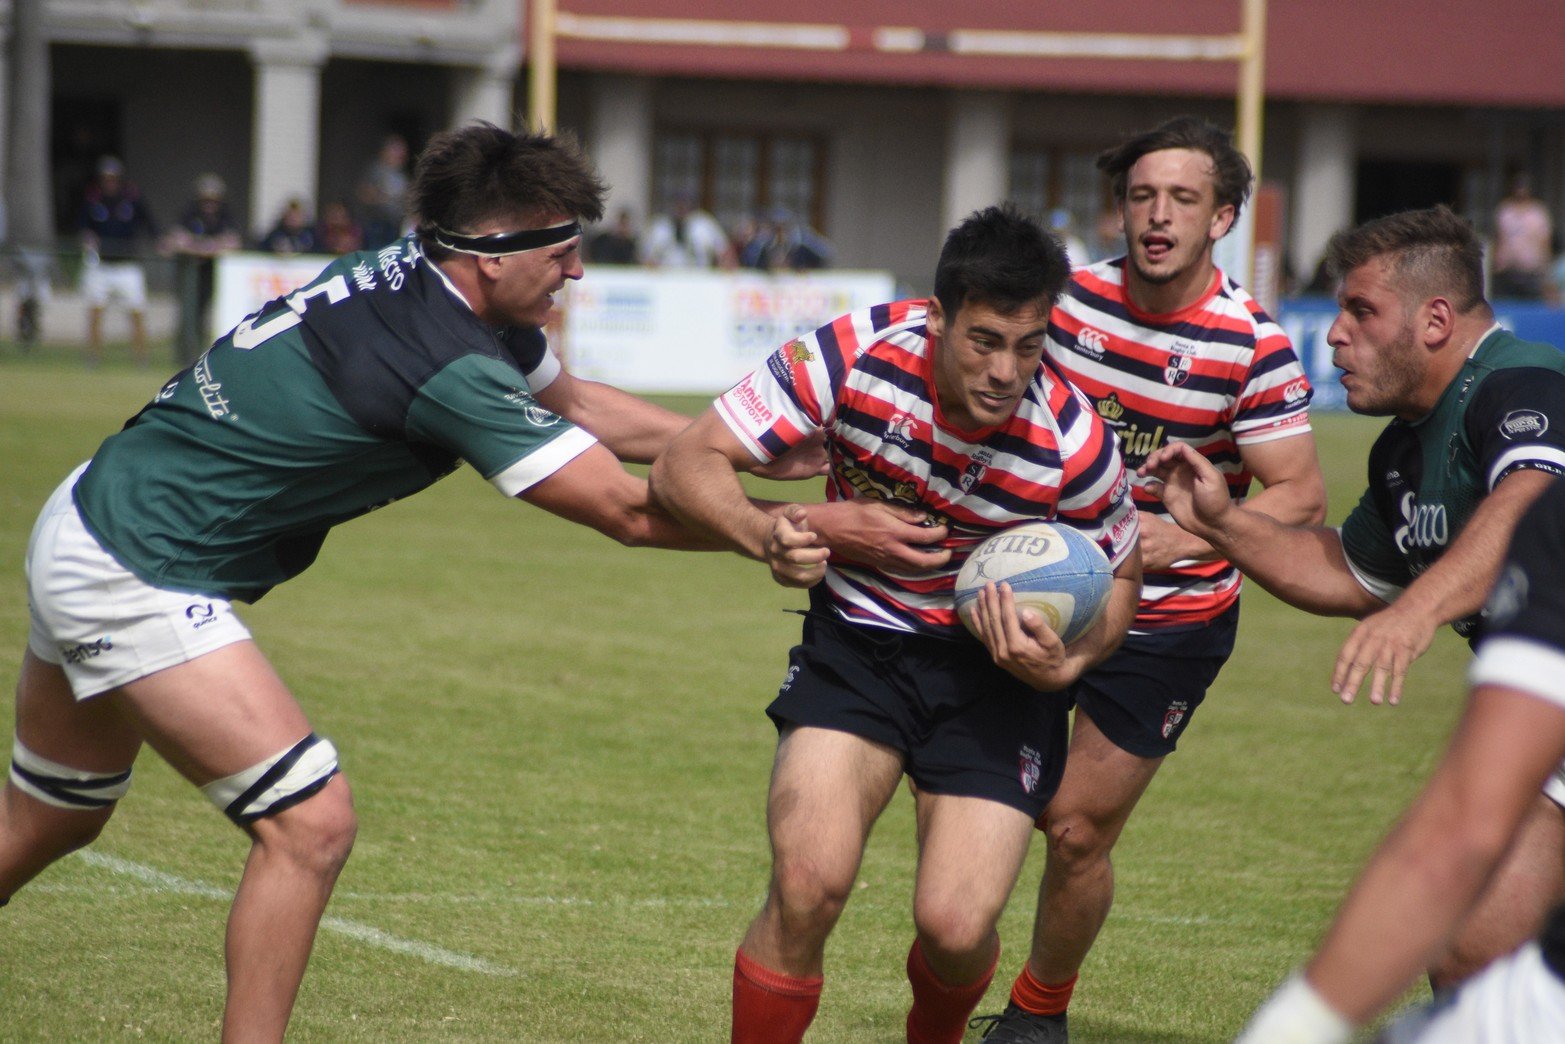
column 1177, row 370
column 1175, row 714
column 797, row 352
column 975, row 469
column 1031, row 763
column 1524, row 424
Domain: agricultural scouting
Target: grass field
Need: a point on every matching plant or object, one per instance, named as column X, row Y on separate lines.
column 559, row 760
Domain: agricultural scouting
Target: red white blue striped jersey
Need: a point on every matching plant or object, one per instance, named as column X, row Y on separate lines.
column 1218, row 374
column 865, row 379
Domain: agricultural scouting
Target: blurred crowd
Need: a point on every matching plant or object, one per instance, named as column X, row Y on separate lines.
column 685, row 236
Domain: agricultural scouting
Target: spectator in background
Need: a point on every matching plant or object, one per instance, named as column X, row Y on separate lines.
column 293, row 233
column 383, row 193
column 1523, row 243
column 687, row 237
column 1075, row 247
column 618, row 244
column 337, row 232
column 783, row 243
column 206, row 229
column 113, row 223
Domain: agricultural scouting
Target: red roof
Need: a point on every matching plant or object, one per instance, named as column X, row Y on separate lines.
column 1504, row 52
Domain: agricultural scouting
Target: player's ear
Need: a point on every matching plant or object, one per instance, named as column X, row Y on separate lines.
column 935, row 318
column 1222, row 221
column 1438, row 320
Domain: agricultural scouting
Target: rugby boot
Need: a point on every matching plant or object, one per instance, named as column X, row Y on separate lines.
column 1015, row 1026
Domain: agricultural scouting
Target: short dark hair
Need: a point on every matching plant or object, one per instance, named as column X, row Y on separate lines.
column 1432, row 252
column 1231, row 173
column 1001, row 257
column 481, row 173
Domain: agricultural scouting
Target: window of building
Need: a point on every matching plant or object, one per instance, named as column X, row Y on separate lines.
column 1046, row 180
column 737, row 175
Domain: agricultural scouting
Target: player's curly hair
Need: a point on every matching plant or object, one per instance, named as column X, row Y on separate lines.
column 482, row 173
column 1231, row 173
column 1432, row 252
column 1001, row 257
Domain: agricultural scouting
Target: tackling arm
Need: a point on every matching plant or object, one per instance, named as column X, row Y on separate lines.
column 1303, row 565
column 595, row 491
column 1292, row 492
column 632, row 428
column 697, row 480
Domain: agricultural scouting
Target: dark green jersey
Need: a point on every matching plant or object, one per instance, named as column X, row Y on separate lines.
column 367, row 385
column 1504, row 411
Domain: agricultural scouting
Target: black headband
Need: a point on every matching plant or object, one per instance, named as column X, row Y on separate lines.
column 502, row 243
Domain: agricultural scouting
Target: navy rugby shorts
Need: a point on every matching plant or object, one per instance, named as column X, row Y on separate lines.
column 1143, row 696
column 964, row 726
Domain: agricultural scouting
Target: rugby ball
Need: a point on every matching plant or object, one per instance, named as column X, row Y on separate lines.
column 1052, row 568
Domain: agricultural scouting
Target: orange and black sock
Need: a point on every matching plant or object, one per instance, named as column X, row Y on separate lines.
column 770, row 1007
column 940, row 1011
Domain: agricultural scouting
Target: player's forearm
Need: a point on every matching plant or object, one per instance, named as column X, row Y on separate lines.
column 698, row 486
column 1301, row 565
column 633, row 429
column 1095, row 646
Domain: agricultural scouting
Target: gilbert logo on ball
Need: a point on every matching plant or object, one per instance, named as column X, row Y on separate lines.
column 1053, row 569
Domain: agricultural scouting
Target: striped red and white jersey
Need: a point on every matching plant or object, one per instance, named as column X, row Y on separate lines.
column 865, row 379
column 1219, row 374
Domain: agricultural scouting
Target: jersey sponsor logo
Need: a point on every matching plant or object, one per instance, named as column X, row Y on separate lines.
column 1524, row 424
column 1030, row 763
column 389, row 258
column 1424, row 525
column 899, row 430
column 200, row 614
column 1509, row 596
column 780, row 370
column 975, row 469
column 1295, row 391
column 751, row 402
column 1110, row 408
column 539, row 417
column 86, row 650
column 1137, row 445
column 1090, row 342
column 797, row 352
column 793, row 672
column 211, row 389
column 1175, row 714
column 363, row 276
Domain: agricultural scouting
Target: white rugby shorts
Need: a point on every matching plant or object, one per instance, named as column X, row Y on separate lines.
column 95, row 619
column 124, row 281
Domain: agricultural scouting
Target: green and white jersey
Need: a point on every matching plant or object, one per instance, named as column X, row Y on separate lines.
column 1504, row 411
column 367, row 385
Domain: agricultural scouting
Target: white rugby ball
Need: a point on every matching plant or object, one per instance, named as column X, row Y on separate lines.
column 1052, row 568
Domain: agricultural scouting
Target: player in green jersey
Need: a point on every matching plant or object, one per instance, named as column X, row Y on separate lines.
column 365, row 386
column 1478, row 432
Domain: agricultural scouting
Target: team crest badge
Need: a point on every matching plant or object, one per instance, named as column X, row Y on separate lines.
column 1175, row 715
column 1177, row 370
column 1031, row 768
column 798, row 352
column 975, row 469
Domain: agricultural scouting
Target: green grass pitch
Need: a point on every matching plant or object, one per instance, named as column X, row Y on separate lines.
column 559, row 760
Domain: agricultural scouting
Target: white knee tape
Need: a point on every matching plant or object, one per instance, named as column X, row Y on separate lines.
column 62, row 786
column 284, row 779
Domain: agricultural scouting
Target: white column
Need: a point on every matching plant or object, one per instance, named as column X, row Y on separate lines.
column 1324, row 184
column 487, row 92
column 977, row 165
column 286, row 126
column 619, row 140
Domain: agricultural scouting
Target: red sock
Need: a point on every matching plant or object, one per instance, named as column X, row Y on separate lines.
column 770, row 1007
column 940, row 1011
column 1041, row 998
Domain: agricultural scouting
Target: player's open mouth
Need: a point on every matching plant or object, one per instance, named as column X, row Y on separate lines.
column 1156, row 247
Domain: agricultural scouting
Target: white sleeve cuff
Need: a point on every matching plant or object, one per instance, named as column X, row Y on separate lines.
column 1384, row 590
column 543, row 461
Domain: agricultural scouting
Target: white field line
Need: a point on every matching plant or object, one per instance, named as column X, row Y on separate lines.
column 160, row 881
